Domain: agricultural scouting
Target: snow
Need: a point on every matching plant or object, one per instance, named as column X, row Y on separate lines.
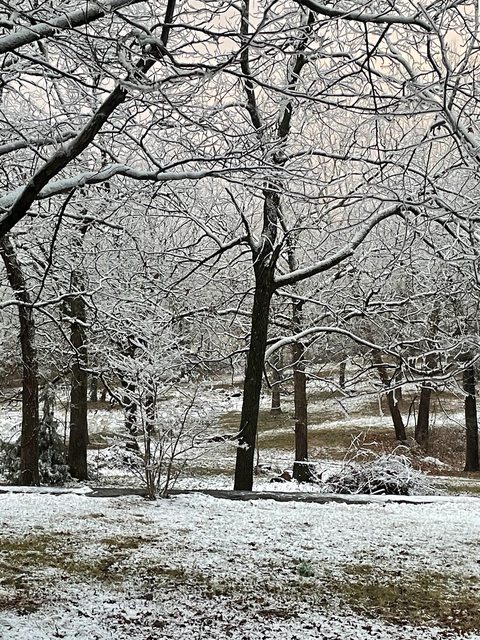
column 46, row 490
column 210, row 568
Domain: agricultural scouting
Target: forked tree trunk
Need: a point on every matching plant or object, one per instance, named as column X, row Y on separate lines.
column 264, row 253
column 30, row 414
column 78, row 441
column 264, row 261
column 471, row 422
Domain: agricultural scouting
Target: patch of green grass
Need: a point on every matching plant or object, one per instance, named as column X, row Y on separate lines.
column 230, row 420
column 332, row 442
column 417, row 598
column 203, row 471
column 463, row 489
column 227, row 386
column 305, row 569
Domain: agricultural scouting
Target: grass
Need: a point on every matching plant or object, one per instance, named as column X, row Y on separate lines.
column 463, row 489
column 230, row 420
column 209, row 471
column 242, row 587
column 24, row 560
column 420, row 599
column 417, row 598
column 331, row 443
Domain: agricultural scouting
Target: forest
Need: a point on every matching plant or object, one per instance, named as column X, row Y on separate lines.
column 240, row 268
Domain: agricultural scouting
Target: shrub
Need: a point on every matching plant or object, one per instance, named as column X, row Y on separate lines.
column 389, row 474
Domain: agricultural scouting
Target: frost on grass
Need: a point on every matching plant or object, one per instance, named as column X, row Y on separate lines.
column 390, row 474
column 196, row 567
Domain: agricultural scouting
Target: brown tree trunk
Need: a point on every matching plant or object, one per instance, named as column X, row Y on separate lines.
column 29, row 474
column 422, row 428
column 397, row 419
column 471, row 422
column 130, row 407
column 78, row 441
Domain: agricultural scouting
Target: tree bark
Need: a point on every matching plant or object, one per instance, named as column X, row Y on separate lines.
column 93, row 388
column 276, row 406
column 29, row 474
column 341, row 375
column 78, row 441
column 301, row 471
column 264, row 261
column 471, row 422
column 253, row 381
column 422, row 430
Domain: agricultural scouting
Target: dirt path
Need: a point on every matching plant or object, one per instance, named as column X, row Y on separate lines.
column 226, row 494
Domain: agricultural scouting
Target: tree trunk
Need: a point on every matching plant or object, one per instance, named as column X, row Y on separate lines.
column 422, row 431
column 264, row 261
column 93, row 388
column 29, row 474
column 392, row 401
column 78, row 441
column 301, row 470
column 471, row 422
column 130, row 406
column 422, row 428
column 253, row 383
column 341, row 375
column 276, row 383
column 397, row 419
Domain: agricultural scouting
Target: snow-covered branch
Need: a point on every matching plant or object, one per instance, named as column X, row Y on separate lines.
column 15, row 145
column 313, row 331
column 359, row 15
column 96, row 177
column 339, row 256
column 89, row 13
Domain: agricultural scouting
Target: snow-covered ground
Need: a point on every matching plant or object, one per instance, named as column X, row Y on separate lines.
column 197, row 567
column 192, row 567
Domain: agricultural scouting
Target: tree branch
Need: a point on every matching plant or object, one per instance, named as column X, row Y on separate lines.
column 89, row 13
column 340, row 256
column 362, row 16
